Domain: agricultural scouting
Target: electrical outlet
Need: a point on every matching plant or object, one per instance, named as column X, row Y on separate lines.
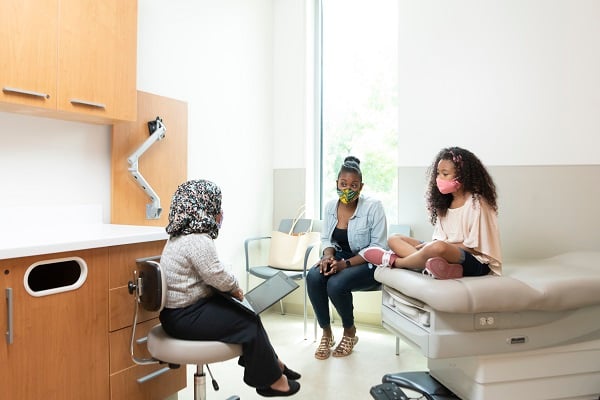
column 485, row 321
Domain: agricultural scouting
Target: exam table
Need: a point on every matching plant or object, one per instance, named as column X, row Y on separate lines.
column 532, row 333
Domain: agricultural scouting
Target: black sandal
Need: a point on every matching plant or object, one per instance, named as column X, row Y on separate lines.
column 291, row 374
column 269, row 392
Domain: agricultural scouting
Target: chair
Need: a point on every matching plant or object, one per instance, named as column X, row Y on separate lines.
column 149, row 289
column 267, row 271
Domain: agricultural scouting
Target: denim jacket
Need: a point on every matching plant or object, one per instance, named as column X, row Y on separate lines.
column 367, row 227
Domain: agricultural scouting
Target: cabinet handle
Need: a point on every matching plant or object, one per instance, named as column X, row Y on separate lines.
column 7, row 89
column 87, row 103
column 153, row 375
column 9, row 316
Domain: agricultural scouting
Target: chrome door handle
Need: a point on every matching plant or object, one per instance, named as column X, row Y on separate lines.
column 7, row 89
column 87, row 103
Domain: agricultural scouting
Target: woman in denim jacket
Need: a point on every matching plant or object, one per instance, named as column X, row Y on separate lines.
column 351, row 223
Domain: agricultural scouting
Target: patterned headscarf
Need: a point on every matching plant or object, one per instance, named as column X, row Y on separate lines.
column 194, row 209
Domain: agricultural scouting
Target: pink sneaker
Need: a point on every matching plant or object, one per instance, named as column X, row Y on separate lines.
column 441, row 269
column 378, row 256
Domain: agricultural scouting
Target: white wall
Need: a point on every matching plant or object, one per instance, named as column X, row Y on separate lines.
column 517, row 82
column 49, row 163
column 292, row 62
column 218, row 57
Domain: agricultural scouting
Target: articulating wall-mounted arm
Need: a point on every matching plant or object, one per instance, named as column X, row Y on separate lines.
column 157, row 132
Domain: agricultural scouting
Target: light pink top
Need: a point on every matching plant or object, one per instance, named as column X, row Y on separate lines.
column 475, row 225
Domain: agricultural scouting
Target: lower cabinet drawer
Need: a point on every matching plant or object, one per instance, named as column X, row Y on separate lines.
column 124, row 373
column 120, row 353
column 124, row 384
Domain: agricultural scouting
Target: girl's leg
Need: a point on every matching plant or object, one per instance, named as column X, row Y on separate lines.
column 437, row 248
column 400, row 246
column 403, row 245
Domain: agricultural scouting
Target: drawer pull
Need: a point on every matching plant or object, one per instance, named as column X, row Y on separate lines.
column 9, row 316
column 153, row 375
column 87, row 103
column 7, row 89
column 142, row 340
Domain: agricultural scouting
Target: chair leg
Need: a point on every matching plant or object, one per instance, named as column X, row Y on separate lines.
column 281, row 306
column 199, row 383
column 305, row 312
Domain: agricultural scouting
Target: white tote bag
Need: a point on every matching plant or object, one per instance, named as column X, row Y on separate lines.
column 287, row 250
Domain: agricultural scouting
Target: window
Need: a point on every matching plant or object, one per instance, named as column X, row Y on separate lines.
column 359, row 95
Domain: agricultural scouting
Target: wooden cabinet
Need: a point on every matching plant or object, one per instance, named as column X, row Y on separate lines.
column 74, row 344
column 71, row 59
column 124, row 373
column 59, row 342
column 28, row 56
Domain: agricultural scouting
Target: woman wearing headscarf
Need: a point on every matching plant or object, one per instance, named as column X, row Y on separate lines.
column 194, row 273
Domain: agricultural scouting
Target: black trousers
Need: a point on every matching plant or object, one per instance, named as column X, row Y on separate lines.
column 216, row 319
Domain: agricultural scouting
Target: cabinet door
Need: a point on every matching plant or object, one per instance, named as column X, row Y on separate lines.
column 60, row 347
column 28, row 59
column 97, row 58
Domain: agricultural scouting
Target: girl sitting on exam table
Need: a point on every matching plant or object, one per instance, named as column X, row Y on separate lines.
column 461, row 200
column 193, row 311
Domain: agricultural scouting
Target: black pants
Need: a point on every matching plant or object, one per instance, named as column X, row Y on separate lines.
column 216, row 319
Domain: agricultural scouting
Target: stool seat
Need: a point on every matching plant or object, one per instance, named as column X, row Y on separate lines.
column 177, row 351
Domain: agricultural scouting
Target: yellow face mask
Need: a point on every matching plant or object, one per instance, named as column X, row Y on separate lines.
column 347, row 195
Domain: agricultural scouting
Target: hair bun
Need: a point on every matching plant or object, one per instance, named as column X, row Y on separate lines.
column 352, row 159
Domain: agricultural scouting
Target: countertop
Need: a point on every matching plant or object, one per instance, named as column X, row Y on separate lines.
column 31, row 241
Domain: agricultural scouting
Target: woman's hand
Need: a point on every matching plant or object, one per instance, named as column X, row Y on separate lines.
column 237, row 293
column 335, row 266
column 325, row 263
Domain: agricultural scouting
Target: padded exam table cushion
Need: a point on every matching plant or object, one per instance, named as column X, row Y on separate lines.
column 563, row 282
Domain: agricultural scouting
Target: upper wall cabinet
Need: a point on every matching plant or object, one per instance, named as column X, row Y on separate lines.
column 71, row 59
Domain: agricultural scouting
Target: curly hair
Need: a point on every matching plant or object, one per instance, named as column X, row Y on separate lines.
column 470, row 172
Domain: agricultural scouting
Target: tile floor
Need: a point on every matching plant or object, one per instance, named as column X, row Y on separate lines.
column 348, row 378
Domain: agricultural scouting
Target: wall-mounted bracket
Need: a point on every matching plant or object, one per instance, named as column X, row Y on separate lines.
column 157, row 132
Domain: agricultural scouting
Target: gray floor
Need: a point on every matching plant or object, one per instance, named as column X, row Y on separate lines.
column 348, row 378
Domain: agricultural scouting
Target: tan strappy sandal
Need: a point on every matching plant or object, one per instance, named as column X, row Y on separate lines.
column 345, row 347
column 324, row 350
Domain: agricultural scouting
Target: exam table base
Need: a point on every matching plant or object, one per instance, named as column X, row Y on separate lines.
column 565, row 372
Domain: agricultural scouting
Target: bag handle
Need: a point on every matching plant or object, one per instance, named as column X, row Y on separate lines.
column 299, row 213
